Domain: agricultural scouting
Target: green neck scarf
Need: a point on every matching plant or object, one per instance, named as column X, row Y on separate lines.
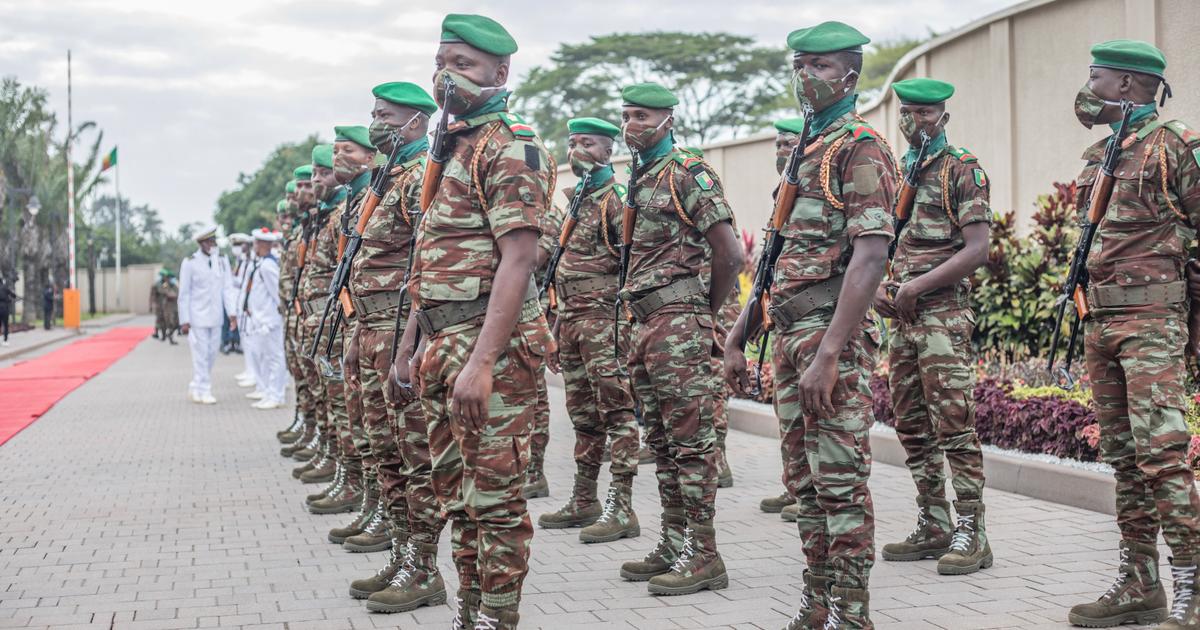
column 1139, row 114
column 412, row 149
column 497, row 103
column 825, row 117
column 935, row 145
column 663, row 148
column 359, row 182
column 599, row 179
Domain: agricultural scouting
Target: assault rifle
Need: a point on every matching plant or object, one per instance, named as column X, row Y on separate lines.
column 628, row 219
column 908, row 194
column 564, row 236
column 348, row 246
column 758, row 303
column 1075, row 288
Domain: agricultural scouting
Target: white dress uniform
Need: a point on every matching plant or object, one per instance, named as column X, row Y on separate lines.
column 235, row 296
column 263, row 328
column 202, row 282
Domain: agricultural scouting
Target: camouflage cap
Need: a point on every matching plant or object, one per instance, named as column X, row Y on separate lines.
column 650, row 95
column 1129, row 54
column 594, row 126
column 303, row 172
column 479, row 32
column 322, row 155
column 357, row 134
column 923, row 91
column 827, row 37
column 789, row 125
column 406, row 94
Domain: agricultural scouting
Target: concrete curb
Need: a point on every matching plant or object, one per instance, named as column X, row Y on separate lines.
column 1050, row 482
column 84, row 329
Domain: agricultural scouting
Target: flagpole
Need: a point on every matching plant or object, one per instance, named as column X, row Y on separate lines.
column 117, row 179
column 70, row 184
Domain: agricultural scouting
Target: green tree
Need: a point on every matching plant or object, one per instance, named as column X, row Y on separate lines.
column 252, row 203
column 727, row 85
column 880, row 57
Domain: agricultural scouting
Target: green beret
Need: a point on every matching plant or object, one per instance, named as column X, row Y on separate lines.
column 650, row 95
column 827, row 37
column 290, row 186
column 322, row 155
column 479, row 32
column 281, row 207
column 593, row 126
column 357, row 134
column 790, row 125
column 923, row 91
column 406, row 94
column 1129, row 54
column 302, row 173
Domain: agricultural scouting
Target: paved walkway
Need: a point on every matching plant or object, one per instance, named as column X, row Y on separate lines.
column 127, row 507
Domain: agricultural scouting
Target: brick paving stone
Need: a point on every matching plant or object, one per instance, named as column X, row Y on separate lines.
column 127, row 507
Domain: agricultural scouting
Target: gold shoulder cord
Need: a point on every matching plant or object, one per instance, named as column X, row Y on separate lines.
column 826, row 164
column 1162, row 168
column 945, row 177
column 672, row 169
column 479, row 153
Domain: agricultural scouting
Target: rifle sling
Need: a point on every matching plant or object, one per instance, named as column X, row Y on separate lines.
column 810, row 299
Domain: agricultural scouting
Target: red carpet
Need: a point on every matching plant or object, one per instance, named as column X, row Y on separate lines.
column 30, row 388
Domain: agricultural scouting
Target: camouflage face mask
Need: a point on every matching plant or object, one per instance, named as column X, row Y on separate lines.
column 909, row 126
column 345, row 168
column 780, row 163
column 640, row 140
column 466, row 95
column 582, row 162
column 383, row 134
column 815, row 92
column 320, row 191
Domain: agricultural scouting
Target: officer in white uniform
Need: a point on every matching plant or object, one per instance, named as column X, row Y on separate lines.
column 262, row 321
column 203, row 279
column 243, row 262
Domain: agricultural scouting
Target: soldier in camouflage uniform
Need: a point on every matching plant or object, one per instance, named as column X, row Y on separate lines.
column 1136, row 333
column 290, row 227
column 683, row 261
column 598, row 393
column 932, row 365
column 787, row 134
column 825, row 343
column 484, row 338
column 536, row 484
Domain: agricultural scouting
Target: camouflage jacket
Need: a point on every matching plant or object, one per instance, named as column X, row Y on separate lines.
column 497, row 179
column 287, row 267
column 591, row 252
column 383, row 257
column 847, row 189
column 322, row 255
column 678, row 198
column 1147, row 234
column 952, row 191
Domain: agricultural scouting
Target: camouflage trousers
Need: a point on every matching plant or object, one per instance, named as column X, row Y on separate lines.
column 479, row 470
column 598, row 396
column 335, row 422
column 383, row 463
column 1137, row 369
column 827, row 460
column 292, row 353
column 671, row 361
column 317, row 412
column 539, row 440
column 933, row 398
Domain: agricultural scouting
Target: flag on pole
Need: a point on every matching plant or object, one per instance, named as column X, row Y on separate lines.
column 110, row 160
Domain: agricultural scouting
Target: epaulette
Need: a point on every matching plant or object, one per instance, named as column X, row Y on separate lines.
column 860, row 130
column 964, row 155
column 696, row 166
column 620, row 190
column 1185, row 133
column 517, row 125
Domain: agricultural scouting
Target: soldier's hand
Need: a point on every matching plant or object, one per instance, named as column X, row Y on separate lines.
column 232, row 323
column 183, row 330
column 472, row 388
column 350, row 363
column 552, row 362
column 1193, row 341
column 735, row 371
column 905, row 302
column 401, row 388
column 883, row 301
column 816, row 386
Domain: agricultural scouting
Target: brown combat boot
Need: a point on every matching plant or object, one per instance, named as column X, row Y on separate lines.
column 790, row 513
column 322, row 472
column 364, row 588
column 333, row 487
column 1137, row 596
column 416, row 584
column 969, row 548
column 1185, row 607
column 496, row 619
column 305, row 467
column 345, row 499
column 468, row 610
column 375, row 535
column 931, row 538
column 699, row 565
column 775, row 505
column 665, row 553
column 849, row 609
column 293, row 431
column 581, row 510
column 724, row 472
column 306, row 453
column 536, row 485
column 813, row 610
column 305, row 440
column 618, row 519
column 367, row 511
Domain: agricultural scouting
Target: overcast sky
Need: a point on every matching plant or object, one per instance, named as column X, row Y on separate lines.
column 194, row 93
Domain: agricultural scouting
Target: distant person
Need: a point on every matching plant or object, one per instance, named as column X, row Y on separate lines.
column 260, row 322
column 6, row 299
column 48, row 305
column 156, row 306
column 203, row 277
column 170, row 298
